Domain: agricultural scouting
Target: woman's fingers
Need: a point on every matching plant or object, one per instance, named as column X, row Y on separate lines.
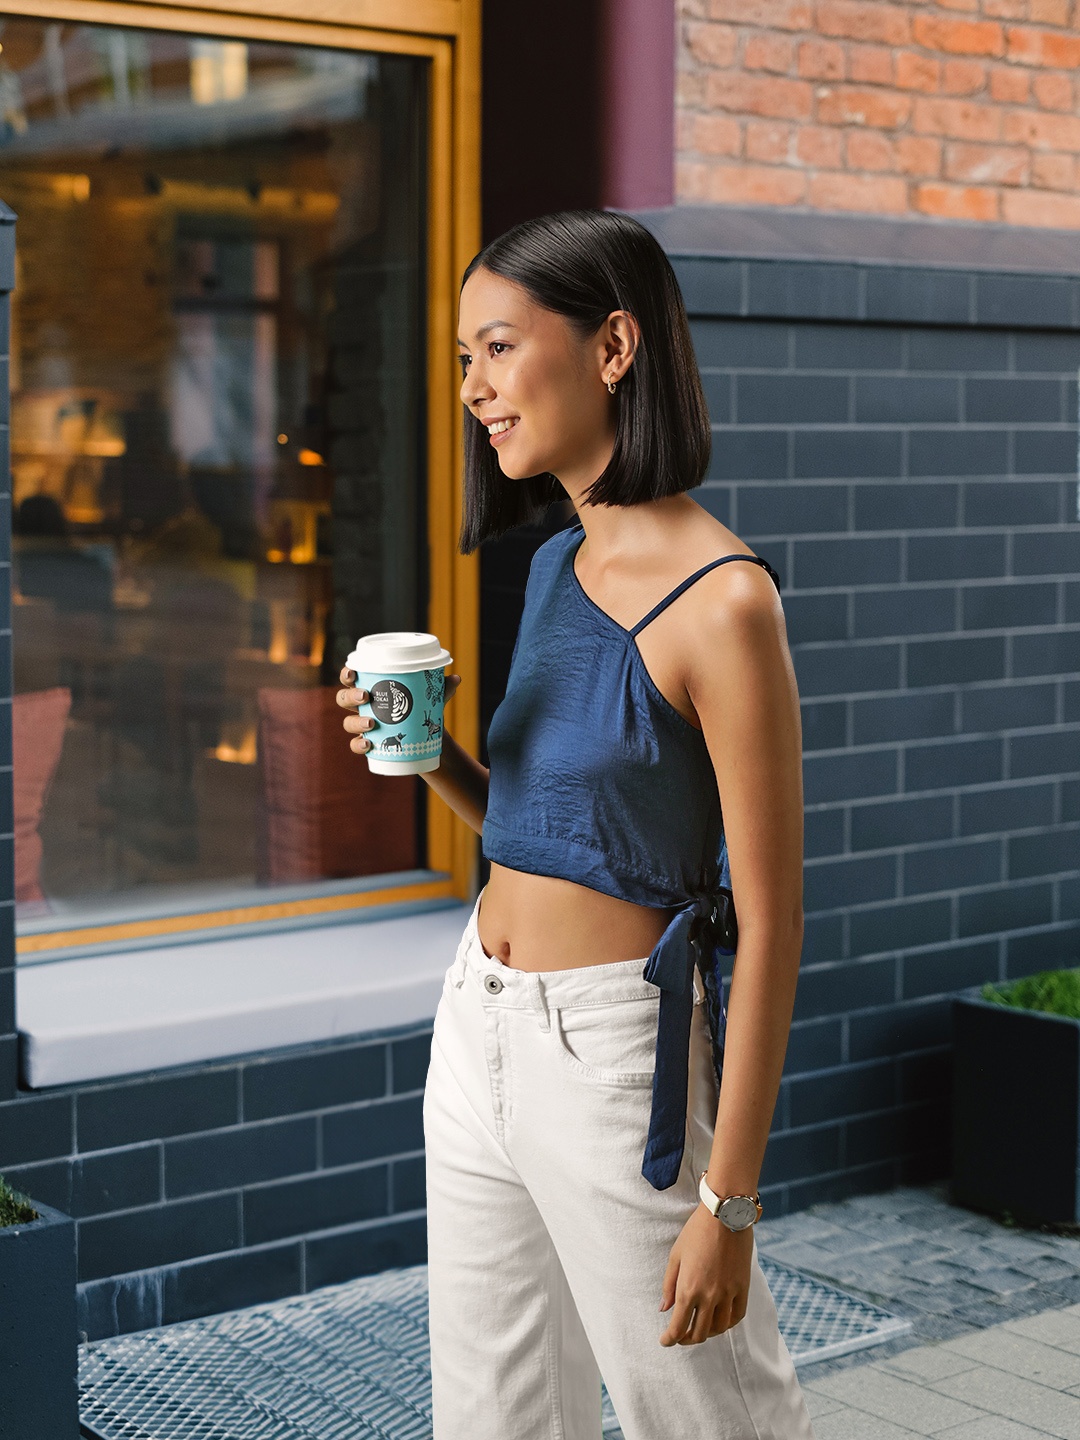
column 667, row 1290
column 696, row 1319
column 725, row 1315
column 681, row 1317
column 350, row 698
column 702, row 1327
column 357, row 725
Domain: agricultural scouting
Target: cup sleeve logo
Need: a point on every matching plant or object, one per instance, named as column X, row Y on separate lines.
column 391, row 701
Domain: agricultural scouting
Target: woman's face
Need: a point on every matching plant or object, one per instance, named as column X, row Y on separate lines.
column 530, row 379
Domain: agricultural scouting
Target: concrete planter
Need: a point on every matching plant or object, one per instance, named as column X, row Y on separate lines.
column 1016, row 1106
column 39, row 1398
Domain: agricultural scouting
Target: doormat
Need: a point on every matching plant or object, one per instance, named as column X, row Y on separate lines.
column 350, row 1362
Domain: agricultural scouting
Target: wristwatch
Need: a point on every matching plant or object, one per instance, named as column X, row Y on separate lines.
column 738, row 1212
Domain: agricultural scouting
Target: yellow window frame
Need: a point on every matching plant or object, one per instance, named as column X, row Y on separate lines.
column 447, row 33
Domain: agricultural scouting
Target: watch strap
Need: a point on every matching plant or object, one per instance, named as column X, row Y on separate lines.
column 713, row 1202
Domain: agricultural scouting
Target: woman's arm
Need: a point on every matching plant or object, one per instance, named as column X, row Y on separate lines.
column 460, row 780
column 742, row 684
column 748, row 704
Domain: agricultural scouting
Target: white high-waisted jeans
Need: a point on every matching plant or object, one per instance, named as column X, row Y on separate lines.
column 547, row 1247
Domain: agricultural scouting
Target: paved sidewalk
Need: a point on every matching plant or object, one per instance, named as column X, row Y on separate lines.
column 994, row 1353
column 1019, row 1380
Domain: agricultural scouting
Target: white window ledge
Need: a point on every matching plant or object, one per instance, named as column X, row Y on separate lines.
column 107, row 1015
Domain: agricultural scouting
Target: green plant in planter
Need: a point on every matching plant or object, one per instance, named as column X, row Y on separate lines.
column 1057, row 992
column 15, row 1209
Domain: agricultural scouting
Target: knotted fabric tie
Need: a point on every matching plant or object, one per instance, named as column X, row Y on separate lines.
column 699, row 928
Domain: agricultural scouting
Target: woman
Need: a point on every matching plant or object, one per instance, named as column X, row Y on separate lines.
column 572, row 1104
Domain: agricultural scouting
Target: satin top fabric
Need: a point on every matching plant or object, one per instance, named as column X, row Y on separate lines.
column 597, row 778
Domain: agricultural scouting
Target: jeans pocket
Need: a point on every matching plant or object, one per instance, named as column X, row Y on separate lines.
column 610, row 1043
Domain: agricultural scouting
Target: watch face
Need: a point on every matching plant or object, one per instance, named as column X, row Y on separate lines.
column 737, row 1212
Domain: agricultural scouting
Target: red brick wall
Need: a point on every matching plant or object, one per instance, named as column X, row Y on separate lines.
column 964, row 109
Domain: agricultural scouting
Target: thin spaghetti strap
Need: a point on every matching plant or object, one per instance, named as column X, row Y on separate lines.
column 658, row 609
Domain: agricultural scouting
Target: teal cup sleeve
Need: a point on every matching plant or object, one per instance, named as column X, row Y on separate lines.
column 408, row 710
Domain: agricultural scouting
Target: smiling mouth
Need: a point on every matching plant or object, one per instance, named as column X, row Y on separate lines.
column 500, row 427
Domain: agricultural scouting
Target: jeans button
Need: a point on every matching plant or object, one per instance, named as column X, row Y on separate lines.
column 492, row 984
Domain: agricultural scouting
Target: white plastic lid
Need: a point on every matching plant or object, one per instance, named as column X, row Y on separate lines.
column 398, row 652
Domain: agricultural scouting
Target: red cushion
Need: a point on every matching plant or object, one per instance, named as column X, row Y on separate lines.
column 325, row 816
column 38, row 720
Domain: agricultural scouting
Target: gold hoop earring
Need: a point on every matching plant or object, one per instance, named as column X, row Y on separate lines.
column 611, row 387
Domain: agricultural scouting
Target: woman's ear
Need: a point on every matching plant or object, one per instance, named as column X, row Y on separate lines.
column 621, row 340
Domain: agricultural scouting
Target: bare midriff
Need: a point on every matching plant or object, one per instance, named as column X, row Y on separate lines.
column 539, row 922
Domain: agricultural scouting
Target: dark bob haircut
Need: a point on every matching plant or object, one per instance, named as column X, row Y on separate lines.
column 584, row 264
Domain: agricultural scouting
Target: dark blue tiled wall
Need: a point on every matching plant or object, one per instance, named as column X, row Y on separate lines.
column 902, row 446
column 207, row 1187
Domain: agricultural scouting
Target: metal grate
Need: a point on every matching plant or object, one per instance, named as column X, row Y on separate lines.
column 351, row 1361
column 818, row 1321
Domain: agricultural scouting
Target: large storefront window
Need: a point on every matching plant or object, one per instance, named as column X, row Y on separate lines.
column 217, row 355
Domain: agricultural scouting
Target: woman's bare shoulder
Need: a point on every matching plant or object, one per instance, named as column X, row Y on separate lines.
column 727, row 596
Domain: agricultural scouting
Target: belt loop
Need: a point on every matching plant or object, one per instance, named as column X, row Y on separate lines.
column 539, row 1003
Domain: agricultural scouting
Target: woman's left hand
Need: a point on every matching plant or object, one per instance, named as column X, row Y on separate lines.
column 707, row 1279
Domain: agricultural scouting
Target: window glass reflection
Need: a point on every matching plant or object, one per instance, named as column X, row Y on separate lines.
column 217, row 361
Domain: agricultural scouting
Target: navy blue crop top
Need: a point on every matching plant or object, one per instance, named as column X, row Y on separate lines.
column 597, row 778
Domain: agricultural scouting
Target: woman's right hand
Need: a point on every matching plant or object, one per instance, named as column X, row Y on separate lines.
column 357, row 725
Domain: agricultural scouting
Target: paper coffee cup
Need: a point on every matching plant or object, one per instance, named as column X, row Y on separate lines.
column 402, row 672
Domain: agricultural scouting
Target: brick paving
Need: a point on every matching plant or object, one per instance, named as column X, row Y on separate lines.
column 994, row 1352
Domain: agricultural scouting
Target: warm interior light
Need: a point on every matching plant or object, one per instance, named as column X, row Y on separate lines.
column 235, row 199
column 244, row 753
column 60, row 184
column 219, row 71
column 310, row 457
column 278, row 650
